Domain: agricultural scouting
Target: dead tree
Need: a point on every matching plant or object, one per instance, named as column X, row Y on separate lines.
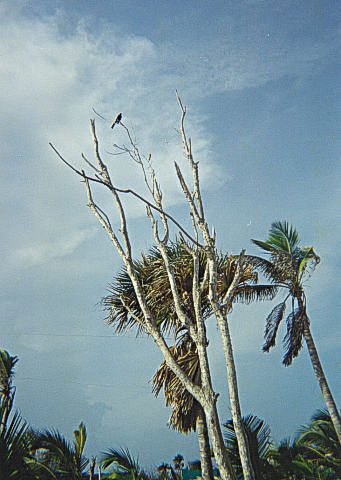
column 201, row 239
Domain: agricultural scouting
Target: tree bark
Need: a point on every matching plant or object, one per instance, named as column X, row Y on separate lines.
column 220, row 453
column 243, row 447
column 220, row 311
column 322, row 380
column 92, row 468
column 204, row 447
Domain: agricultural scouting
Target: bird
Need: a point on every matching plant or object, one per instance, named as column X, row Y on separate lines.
column 117, row 121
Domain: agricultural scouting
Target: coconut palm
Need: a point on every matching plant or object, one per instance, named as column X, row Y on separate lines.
column 156, row 288
column 313, row 471
column 7, row 390
column 64, row 458
column 187, row 414
column 320, row 442
column 17, row 460
column 163, row 470
column 13, row 449
column 155, row 285
column 289, row 266
column 259, row 442
column 282, row 457
column 178, row 462
column 123, row 465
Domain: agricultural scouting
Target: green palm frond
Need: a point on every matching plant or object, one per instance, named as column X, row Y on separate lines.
column 14, row 449
column 320, row 438
column 122, row 462
column 288, row 266
column 272, row 324
column 153, row 277
column 80, row 439
column 60, row 455
column 259, row 442
column 283, row 236
column 306, row 258
column 321, row 415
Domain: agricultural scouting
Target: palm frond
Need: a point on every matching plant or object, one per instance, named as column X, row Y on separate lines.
column 283, row 236
column 294, row 336
column 259, row 442
column 320, row 438
column 185, row 409
column 80, row 438
column 7, row 364
column 321, row 415
column 272, row 324
column 251, row 293
column 267, row 268
column 14, row 449
column 121, row 459
column 306, row 258
column 59, row 454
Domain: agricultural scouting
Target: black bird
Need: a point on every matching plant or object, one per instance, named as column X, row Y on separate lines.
column 117, row 121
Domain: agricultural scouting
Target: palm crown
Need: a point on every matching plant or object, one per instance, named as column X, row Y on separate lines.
column 288, row 267
column 155, row 285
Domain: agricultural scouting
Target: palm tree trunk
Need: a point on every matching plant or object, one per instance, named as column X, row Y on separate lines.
column 209, row 405
column 204, row 447
column 92, row 468
column 244, row 453
column 322, row 380
column 220, row 454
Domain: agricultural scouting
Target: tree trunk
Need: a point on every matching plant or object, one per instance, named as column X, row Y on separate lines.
column 234, row 398
column 204, row 447
column 322, row 380
column 220, row 453
column 92, row 468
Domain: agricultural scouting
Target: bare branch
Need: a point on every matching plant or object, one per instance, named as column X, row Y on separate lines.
column 89, row 163
column 104, row 221
column 228, row 297
column 99, row 115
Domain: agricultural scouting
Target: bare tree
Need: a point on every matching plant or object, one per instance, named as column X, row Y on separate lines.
column 199, row 241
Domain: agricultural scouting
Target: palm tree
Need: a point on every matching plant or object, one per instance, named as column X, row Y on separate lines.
column 124, row 465
column 259, row 442
column 246, row 291
column 178, row 462
column 289, row 266
column 65, row 459
column 17, row 460
column 163, row 471
column 155, row 284
column 283, row 459
column 321, row 443
column 187, row 414
column 7, row 390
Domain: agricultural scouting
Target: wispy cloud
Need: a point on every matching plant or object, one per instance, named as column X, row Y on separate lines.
column 41, row 252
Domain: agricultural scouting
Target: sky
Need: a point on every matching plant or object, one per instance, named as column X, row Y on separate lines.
column 261, row 82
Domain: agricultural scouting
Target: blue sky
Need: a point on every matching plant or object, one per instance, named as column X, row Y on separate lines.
column 261, row 80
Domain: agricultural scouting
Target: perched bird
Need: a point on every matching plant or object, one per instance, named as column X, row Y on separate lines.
column 117, row 121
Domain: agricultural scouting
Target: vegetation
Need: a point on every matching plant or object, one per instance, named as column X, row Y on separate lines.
column 289, row 267
column 314, row 454
column 174, row 289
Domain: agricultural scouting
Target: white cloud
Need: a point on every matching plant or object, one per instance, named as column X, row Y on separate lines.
column 41, row 252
